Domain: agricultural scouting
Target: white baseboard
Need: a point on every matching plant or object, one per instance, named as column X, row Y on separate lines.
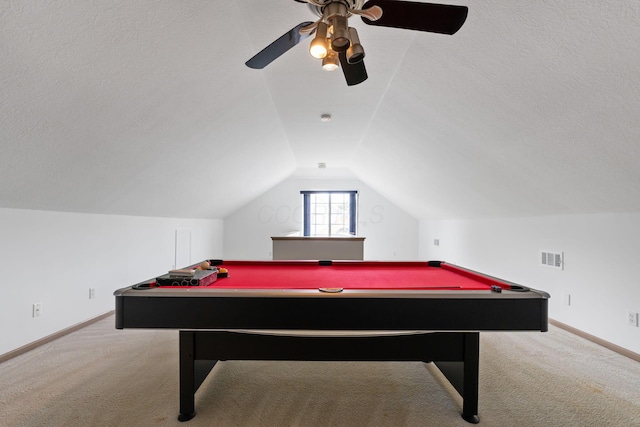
column 49, row 338
column 621, row 350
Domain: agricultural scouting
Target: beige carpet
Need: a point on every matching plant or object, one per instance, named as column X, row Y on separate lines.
column 100, row 376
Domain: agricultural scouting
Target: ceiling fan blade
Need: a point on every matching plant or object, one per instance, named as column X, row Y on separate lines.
column 430, row 17
column 353, row 73
column 285, row 42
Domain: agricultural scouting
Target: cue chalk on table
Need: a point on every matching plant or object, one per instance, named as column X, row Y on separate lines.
column 496, row 288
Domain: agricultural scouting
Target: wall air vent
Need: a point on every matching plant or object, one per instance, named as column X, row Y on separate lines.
column 552, row 259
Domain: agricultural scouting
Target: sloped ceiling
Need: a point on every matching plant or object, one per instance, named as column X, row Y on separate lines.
column 145, row 107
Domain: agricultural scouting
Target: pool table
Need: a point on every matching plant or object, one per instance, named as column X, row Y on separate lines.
column 334, row 310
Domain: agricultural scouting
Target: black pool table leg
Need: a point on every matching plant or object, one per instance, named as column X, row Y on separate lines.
column 462, row 371
column 470, row 377
column 187, row 376
column 192, row 374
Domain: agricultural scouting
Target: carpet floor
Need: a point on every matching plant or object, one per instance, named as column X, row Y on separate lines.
column 100, row 376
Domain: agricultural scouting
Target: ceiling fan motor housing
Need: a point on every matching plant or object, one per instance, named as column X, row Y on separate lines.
column 320, row 5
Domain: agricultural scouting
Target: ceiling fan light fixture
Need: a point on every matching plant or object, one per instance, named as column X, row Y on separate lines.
column 331, row 61
column 335, row 13
column 319, row 47
column 355, row 53
column 340, row 35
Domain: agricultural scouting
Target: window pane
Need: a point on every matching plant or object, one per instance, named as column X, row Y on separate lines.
column 340, row 198
column 320, row 198
column 320, row 230
column 319, row 219
column 320, row 208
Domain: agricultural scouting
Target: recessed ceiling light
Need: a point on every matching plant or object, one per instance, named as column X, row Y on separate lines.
column 325, row 118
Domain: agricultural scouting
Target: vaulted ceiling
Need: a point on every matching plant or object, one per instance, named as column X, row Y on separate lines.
column 145, row 107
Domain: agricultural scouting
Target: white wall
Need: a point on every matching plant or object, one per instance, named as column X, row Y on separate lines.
column 390, row 233
column 53, row 258
column 602, row 256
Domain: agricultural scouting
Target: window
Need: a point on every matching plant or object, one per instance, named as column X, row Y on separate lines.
column 329, row 213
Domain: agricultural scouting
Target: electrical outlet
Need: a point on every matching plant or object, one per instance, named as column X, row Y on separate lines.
column 632, row 318
column 37, row 309
column 436, row 242
column 92, row 293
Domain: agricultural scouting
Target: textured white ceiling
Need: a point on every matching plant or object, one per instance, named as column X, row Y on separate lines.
column 145, row 107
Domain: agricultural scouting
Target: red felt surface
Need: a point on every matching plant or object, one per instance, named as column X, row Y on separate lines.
column 350, row 275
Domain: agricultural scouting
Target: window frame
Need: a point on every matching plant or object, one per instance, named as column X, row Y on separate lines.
column 306, row 210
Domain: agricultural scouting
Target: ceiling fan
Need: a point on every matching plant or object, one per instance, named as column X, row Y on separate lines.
column 338, row 45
